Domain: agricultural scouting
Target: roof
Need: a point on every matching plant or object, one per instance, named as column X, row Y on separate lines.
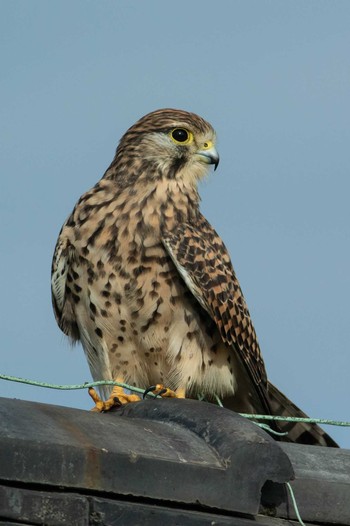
column 160, row 461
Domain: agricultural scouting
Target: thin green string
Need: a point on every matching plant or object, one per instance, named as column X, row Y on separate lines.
column 296, row 509
column 73, row 387
column 323, row 421
column 140, row 390
column 266, row 427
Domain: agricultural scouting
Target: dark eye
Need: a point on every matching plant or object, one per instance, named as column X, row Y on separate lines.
column 180, row 135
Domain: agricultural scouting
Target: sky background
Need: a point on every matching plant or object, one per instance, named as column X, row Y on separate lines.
column 273, row 78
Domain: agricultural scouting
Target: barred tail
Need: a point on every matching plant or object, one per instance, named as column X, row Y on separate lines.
column 298, row 432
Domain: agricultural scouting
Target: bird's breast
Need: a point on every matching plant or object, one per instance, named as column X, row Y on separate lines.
column 135, row 309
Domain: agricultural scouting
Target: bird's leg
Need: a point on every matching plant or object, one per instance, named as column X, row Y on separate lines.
column 164, row 392
column 117, row 398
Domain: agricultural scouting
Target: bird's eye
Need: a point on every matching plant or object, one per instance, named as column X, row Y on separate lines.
column 181, row 136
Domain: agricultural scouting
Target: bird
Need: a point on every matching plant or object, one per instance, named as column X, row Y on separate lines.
column 144, row 282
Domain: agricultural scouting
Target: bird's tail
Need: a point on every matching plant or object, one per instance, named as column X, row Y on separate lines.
column 299, row 432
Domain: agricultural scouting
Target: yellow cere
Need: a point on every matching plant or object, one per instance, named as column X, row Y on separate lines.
column 207, row 145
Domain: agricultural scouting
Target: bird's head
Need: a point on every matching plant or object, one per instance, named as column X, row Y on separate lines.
column 168, row 143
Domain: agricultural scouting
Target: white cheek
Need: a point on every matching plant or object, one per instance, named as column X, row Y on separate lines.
column 193, row 172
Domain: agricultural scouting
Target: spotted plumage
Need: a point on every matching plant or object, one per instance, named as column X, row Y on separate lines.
column 145, row 283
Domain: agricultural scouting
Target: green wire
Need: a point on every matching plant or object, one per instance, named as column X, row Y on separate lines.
column 299, row 419
column 139, row 390
column 295, row 504
column 85, row 385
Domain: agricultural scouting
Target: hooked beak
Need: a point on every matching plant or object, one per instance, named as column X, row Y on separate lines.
column 209, row 156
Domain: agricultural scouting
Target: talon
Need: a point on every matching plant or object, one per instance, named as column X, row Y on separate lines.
column 117, row 399
column 164, row 392
column 149, row 390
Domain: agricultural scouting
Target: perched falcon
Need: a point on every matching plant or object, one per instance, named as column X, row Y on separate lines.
column 142, row 279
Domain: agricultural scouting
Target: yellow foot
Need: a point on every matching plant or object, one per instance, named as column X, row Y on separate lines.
column 164, row 392
column 117, row 398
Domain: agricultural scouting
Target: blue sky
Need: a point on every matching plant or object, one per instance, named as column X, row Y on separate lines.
column 273, row 78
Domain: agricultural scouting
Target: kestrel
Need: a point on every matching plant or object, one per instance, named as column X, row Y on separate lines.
column 142, row 279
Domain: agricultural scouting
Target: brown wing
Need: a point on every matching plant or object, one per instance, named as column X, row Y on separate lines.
column 62, row 296
column 204, row 264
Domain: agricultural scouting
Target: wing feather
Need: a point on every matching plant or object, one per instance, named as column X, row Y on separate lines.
column 60, row 291
column 203, row 262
